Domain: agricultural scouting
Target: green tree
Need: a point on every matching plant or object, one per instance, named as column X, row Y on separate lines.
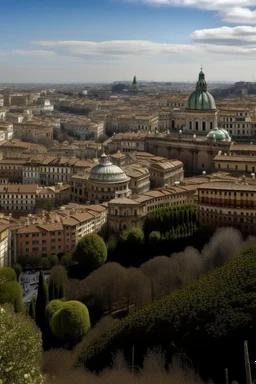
column 135, row 236
column 7, row 274
column 66, row 260
column 18, row 269
column 32, row 308
column 11, row 292
column 45, row 263
column 41, row 301
column 21, row 349
column 54, row 260
column 71, row 322
column 91, row 252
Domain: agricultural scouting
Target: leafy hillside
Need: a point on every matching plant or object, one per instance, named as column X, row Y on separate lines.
column 197, row 319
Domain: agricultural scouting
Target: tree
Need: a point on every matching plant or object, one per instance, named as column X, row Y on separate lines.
column 44, row 263
column 52, row 307
column 7, row 274
column 21, row 349
column 18, row 269
column 66, row 260
column 70, row 322
column 53, row 259
column 32, row 308
column 91, row 252
column 11, row 292
column 41, row 301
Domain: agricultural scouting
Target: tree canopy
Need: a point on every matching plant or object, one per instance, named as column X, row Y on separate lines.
column 8, row 274
column 21, row 349
column 91, row 252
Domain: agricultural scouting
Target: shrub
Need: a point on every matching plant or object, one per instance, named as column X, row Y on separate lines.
column 70, row 322
column 52, row 308
column 18, row 269
column 11, row 292
column 7, row 274
column 154, row 237
column 66, row 260
column 21, row 349
column 217, row 307
column 91, row 252
column 53, row 260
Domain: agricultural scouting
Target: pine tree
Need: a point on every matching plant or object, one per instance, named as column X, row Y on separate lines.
column 41, row 301
column 32, row 308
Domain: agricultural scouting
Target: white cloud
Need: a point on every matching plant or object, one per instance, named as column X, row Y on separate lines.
column 242, row 35
column 241, row 11
column 127, row 49
column 117, row 48
column 38, row 52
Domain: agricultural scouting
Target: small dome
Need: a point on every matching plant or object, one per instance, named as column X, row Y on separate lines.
column 218, row 134
column 107, row 173
column 201, row 99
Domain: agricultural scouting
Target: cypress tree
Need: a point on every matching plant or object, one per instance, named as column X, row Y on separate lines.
column 61, row 291
column 32, row 308
column 41, row 301
column 51, row 291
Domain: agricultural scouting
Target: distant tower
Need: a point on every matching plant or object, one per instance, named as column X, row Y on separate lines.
column 135, row 84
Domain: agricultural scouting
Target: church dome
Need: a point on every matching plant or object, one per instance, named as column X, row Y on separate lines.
column 201, row 99
column 218, row 134
column 107, row 173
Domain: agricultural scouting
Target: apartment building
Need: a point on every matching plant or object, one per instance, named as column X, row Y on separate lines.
column 16, row 148
column 79, row 149
column 84, row 128
column 33, row 131
column 8, row 131
column 50, row 171
column 126, row 142
column 56, row 232
column 17, row 198
column 116, row 122
column 237, row 121
column 228, row 204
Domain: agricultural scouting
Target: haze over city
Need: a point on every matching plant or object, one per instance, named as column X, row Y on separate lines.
column 107, row 40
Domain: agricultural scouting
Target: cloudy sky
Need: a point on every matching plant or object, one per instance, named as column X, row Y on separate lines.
column 111, row 40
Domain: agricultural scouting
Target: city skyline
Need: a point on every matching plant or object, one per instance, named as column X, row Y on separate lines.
column 108, row 40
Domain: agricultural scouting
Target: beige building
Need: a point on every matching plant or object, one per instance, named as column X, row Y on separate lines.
column 228, row 204
column 17, row 198
column 33, row 131
column 78, row 149
column 4, row 244
column 116, row 122
column 16, row 148
column 130, row 212
column 139, row 178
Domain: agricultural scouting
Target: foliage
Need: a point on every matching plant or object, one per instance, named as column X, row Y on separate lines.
column 44, row 263
column 11, row 292
column 154, row 237
column 21, row 349
column 32, row 308
column 179, row 220
column 7, row 274
column 18, row 269
column 52, row 307
column 32, row 261
column 66, row 260
column 91, row 252
column 135, row 236
column 219, row 306
column 53, row 259
column 41, row 301
column 70, row 322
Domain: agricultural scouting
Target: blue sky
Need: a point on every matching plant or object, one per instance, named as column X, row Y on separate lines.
column 110, row 40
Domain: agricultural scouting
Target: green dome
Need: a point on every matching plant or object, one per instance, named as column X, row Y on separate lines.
column 200, row 99
column 218, row 134
column 107, row 173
